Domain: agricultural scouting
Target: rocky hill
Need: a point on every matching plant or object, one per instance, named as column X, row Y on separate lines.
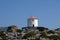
column 29, row 33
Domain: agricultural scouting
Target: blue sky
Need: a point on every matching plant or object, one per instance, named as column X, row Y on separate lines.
column 16, row 12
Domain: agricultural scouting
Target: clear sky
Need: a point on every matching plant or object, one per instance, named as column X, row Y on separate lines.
column 16, row 12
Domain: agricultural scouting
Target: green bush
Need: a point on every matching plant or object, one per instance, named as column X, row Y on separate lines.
column 3, row 36
column 29, row 35
column 51, row 31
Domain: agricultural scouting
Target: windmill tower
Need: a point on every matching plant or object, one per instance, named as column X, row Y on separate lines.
column 32, row 21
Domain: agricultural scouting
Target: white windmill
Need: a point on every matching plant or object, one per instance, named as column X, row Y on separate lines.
column 32, row 21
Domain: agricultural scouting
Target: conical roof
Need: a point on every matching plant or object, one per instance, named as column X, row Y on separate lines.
column 32, row 17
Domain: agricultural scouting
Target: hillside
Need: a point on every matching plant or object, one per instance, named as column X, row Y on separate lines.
column 29, row 33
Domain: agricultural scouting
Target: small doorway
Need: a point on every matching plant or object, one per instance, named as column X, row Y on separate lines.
column 33, row 25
